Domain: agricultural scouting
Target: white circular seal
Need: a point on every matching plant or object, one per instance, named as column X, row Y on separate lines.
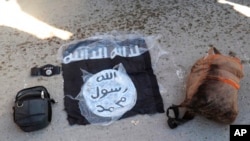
column 109, row 93
column 48, row 72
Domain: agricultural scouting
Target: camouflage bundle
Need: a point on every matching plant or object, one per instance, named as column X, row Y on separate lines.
column 211, row 90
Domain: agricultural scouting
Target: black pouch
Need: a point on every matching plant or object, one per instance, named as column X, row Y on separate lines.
column 32, row 109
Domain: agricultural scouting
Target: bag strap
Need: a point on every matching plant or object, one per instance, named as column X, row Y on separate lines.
column 32, row 91
column 52, row 101
column 173, row 122
column 38, row 91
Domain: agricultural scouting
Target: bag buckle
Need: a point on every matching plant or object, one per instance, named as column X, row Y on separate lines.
column 42, row 94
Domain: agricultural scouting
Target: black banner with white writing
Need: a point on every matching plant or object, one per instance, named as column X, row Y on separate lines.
column 136, row 60
column 239, row 132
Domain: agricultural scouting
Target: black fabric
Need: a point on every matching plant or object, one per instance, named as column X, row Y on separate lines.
column 32, row 110
column 46, row 70
column 139, row 69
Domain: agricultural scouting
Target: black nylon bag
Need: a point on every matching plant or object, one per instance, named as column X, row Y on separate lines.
column 32, row 109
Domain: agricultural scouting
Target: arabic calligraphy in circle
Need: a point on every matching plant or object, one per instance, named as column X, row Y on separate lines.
column 109, row 93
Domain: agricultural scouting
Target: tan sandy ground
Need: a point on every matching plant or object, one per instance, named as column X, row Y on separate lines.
column 31, row 32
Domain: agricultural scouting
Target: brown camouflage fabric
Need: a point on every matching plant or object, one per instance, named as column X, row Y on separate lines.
column 212, row 87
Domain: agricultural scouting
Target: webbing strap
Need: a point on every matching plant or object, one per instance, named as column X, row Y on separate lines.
column 222, row 79
column 225, row 80
column 173, row 122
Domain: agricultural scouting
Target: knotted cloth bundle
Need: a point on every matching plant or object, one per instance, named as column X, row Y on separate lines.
column 211, row 90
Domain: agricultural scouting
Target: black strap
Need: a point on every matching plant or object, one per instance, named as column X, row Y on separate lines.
column 173, row 122
column 46, row 70
column 52, row 101
column 33, row 93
